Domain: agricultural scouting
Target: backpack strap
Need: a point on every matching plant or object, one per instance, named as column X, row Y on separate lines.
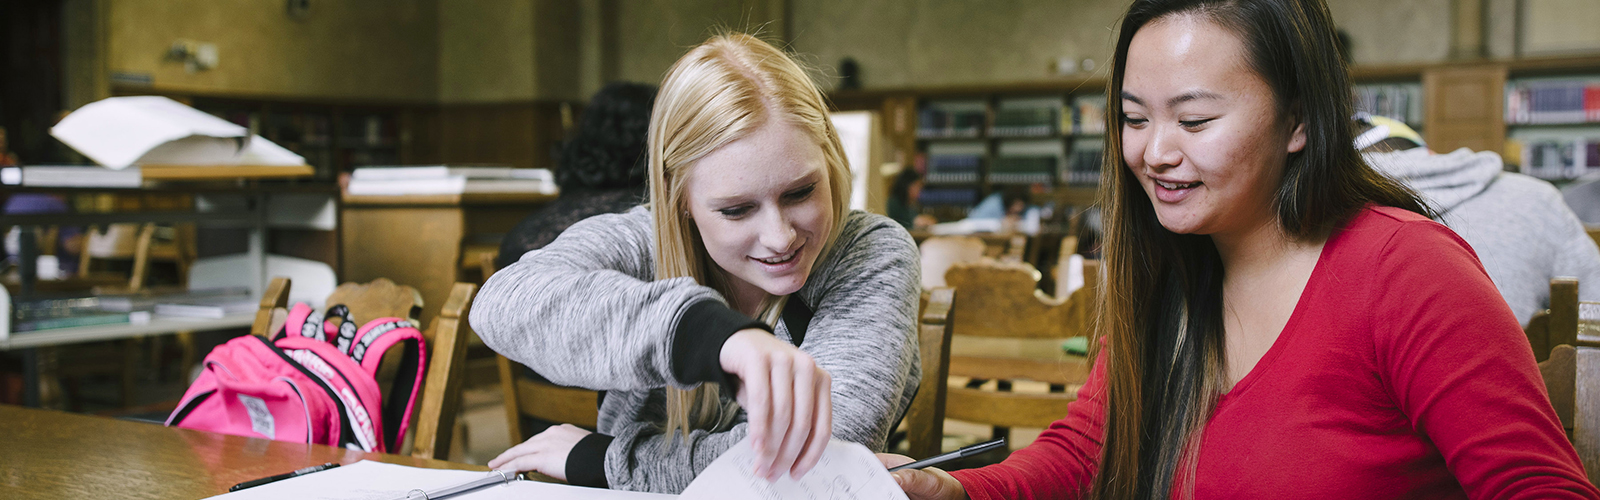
column 302, row 322
column 371, row 342
column 343, row 333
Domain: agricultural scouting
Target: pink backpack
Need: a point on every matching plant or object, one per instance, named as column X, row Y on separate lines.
column 313, row 383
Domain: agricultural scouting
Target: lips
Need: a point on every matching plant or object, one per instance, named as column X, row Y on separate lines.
column 1174, row 186
column 780, row 259
column 1174, row 192
column 778, row 264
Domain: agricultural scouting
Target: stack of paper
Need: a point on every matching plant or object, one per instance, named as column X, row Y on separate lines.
column 442, row 179
column 119, row 132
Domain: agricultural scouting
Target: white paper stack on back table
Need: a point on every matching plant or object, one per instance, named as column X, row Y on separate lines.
column 446, row 179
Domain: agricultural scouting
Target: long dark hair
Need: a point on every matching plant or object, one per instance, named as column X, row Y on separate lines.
column 607, row 149
column 1163, row 293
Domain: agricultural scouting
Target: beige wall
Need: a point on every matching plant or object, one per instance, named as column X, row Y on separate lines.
column 348, row 49
column 649, row 35
column 508, row 50
column 485, row 50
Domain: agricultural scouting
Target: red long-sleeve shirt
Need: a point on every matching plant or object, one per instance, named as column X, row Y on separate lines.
column 1400, row 374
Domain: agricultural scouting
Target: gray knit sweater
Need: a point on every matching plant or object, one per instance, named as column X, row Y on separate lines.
column 1522, row 231
column 586, row 311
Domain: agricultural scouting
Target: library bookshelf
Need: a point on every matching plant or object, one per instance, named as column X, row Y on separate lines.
column 1453, row 104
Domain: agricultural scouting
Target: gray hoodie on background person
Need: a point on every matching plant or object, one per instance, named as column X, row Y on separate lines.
column 587, row 311
column 1519, row 226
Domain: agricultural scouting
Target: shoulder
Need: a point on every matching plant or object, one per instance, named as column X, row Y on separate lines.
column 868, row 232
column 1523, row 192
column 1398, row 239
column 634, row 220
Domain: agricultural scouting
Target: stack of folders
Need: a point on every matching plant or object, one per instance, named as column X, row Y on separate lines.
column 212, row 304
column 66, row 312
column 443, row 179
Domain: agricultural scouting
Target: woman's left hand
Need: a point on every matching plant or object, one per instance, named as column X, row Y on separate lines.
column 545, row 453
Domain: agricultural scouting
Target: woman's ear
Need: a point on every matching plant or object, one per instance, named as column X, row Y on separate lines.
column 1297, row 134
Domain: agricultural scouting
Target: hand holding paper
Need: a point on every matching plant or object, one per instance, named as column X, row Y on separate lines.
column 844, row 471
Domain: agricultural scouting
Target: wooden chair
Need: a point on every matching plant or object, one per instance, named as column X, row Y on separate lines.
column 1006, row 329
column 537, row 399
column 925, row 418
column 142, row 250
column 1565, row 341
column 441, row 390
column 941, row 252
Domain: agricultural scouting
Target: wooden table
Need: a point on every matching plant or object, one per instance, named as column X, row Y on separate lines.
column 417, row 241
column 56, row 455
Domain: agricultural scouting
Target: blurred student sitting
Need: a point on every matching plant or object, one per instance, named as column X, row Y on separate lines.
column 602, row 168
column 1519, row 226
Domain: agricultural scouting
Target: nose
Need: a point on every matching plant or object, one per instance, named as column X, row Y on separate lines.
column 778, row 233
column 1161, row 150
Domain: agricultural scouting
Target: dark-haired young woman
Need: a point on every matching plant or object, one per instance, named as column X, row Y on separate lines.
column 1280, row 321
column 602, row 168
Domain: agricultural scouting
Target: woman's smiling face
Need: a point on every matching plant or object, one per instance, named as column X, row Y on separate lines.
column 1201, row 129
column 763, row 209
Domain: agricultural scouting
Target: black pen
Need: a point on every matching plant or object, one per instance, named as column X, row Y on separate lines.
column 961, row 453
column 269, row 479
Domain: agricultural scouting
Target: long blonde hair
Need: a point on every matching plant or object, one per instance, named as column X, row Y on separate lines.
column 719, row 92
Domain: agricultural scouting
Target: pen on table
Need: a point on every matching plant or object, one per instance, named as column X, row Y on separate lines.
column 961, row 453
column 269, row 479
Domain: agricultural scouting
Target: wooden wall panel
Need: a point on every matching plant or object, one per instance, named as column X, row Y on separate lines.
column 1464, row 108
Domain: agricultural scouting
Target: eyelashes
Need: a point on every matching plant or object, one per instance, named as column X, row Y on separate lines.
column 795, row 196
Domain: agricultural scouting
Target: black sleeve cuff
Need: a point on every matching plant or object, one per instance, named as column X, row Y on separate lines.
column 697, row 344
column 586, row 463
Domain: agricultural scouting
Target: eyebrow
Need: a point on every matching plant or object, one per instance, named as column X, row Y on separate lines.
column 1175, row 101
column 743, row 198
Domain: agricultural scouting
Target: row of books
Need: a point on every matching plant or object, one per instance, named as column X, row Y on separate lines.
column 954, row 168
column 28, row 315
column 443, row 179
column 1083, row 169
column 960, row 196
column 1037, row 121
column 1560, row 159
column 937, row 123
column 1401, row 102
column 1086, row 116
column 1024, row 170
column 1553, row 101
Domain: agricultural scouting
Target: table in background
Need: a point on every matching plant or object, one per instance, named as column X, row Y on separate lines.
column 54, row 455
column 427, row 242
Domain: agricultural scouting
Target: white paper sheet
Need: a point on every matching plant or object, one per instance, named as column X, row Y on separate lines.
column 846, row 471
column 367, row 480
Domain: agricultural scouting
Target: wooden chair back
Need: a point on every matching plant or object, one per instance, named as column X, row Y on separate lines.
column 1565, row 341
column 925, row 418
column 1572, row 378
column 541, row 400
column 441, row 391
column 1001, row 301
column 181, row 251
column 1557, row 325
column 941, row 252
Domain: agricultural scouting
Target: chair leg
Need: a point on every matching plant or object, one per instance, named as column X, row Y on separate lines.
column 130, row 370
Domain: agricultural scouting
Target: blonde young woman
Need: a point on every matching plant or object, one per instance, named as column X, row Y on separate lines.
column 746, row 279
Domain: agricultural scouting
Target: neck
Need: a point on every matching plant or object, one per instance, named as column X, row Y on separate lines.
column 1254, row 249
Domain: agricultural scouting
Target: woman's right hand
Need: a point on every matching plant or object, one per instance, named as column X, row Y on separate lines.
column 923, row 484
column 787, row 399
